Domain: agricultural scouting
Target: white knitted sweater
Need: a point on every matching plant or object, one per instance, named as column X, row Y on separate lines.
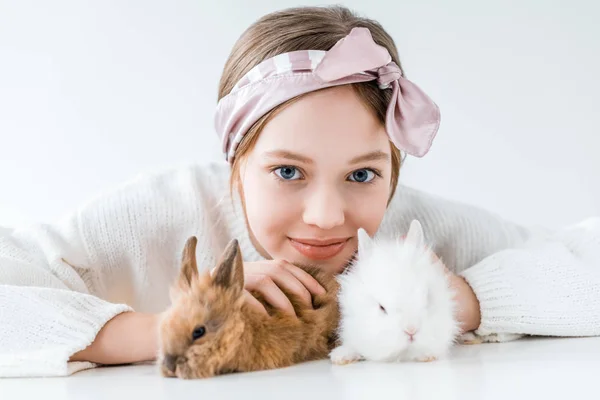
column 60, row 283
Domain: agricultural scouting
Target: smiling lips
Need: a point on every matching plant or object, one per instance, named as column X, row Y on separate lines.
column 319, row 249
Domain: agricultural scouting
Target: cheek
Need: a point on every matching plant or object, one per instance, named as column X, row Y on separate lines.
column 270, row 209
column 366, row 206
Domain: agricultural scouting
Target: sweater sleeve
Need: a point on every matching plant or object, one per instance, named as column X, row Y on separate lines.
column 547, row 286
column 61, row 282
column 47, row 313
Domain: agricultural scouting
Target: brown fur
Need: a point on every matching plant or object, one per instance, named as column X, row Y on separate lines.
column 238, row 338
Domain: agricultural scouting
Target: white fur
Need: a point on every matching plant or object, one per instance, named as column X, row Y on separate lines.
column 400, row 275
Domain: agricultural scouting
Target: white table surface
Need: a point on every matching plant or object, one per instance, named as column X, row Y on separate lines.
column 536, row 368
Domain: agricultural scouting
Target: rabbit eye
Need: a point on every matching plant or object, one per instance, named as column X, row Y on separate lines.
column 198, row 332
column 382, row 308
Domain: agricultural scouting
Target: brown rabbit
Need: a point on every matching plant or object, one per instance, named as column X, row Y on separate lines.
column 209, row 330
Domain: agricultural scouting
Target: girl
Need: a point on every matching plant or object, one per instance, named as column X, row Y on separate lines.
column 314, row 115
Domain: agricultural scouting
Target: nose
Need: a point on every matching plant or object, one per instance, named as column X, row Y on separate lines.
column 411, row 332
column 170, row 362
column 324, row 208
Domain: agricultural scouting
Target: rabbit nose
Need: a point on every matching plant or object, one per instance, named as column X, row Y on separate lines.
column 411, row 331
column 170, row 362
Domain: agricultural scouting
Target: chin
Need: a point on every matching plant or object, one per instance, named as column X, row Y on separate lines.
column 334, row 265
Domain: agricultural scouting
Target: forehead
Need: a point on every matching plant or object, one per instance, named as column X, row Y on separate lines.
column 334, row 118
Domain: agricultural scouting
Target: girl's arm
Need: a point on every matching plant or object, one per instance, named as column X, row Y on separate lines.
column 127, row 338
column 68, row 289
column 549, row 286
column 525, row 282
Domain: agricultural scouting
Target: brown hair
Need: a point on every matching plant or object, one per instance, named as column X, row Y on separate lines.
column 303, row 28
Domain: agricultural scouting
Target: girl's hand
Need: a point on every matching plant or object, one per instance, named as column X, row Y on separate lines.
column 269, row 277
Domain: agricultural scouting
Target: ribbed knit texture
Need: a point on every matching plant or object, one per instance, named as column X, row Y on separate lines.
column 60, row 283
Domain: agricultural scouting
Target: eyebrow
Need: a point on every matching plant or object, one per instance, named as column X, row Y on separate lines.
column 372, row 156
column 289, row 155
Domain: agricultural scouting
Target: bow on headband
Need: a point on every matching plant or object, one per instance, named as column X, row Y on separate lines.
column 412, row 118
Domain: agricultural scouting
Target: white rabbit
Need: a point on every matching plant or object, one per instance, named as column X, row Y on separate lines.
column 395, row 302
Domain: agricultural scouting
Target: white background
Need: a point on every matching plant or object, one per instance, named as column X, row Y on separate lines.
column 94, row 92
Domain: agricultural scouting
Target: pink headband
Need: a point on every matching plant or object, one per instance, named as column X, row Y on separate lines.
column 412, row 118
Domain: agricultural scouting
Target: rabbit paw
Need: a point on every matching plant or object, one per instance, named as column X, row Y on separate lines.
column 470, row 338
column 343, row 355
column 501, row 337
column 426, row 359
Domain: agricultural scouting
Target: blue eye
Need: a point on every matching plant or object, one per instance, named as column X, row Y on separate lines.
column 362, row 175
column 288, row 173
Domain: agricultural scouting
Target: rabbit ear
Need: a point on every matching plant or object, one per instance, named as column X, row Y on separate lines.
column 189, row 269
column 230, row 269
column 365, row 242
column 415, row 234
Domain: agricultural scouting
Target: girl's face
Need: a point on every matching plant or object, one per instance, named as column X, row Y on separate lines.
column 320, row 169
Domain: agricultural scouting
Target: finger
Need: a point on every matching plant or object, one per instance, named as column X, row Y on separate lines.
column 271, row 292
column 253, row 302
column 282, row 274
column 306, row 279
column 284, row 277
